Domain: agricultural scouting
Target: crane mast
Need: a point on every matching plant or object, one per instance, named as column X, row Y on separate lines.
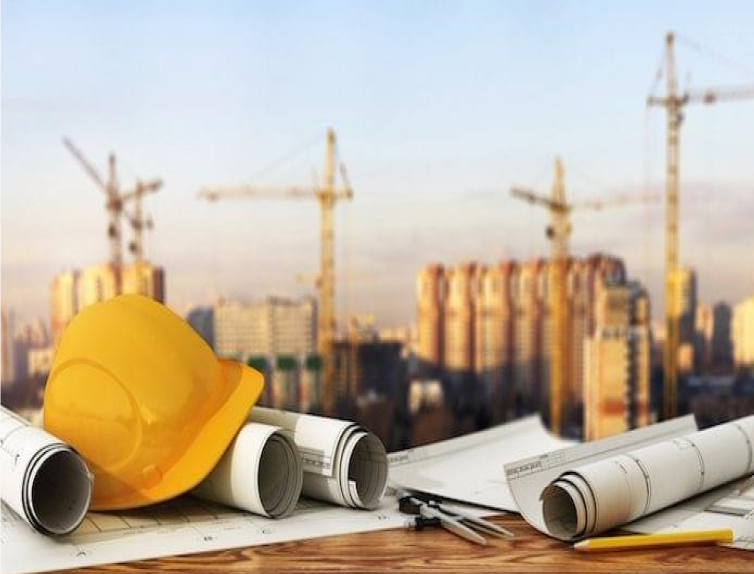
column 558, row 233
column 114, row 230
column 140, row 223
column 674, row 118
column 326, row 279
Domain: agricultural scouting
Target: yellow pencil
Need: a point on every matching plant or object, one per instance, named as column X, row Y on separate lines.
column 613, row 543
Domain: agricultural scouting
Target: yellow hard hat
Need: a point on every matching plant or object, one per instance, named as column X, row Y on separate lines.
column 144, row 400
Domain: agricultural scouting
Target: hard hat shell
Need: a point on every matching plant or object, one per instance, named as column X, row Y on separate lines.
column 144, row 400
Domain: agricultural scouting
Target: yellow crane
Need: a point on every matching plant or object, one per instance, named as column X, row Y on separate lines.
column 140, row 223
column 558, row 232
column 115, row 207
column 673, row 102
column 327, row 195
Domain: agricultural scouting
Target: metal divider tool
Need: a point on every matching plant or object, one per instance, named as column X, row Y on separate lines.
column 431, row 511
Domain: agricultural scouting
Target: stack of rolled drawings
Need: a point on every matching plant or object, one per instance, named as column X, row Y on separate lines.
column 275, row 458
column 279, row 455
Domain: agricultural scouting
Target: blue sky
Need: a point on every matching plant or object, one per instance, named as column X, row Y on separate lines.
column 439, row 108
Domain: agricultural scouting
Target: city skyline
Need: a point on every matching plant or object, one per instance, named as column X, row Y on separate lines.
column 435, row 122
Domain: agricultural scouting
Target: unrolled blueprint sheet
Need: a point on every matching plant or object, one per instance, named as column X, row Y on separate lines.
column 185, row 525
column 470, row 468
column 528, row 478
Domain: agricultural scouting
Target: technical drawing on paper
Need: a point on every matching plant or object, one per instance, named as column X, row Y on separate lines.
column 182, row 526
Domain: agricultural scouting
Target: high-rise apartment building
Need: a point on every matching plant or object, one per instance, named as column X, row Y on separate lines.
column 144, row 279
column 284, row 383
column 529, row 347
column 310, row 385
column 430, row 297
column 278, row 337
column 743, row 333
column 617, row 363
column 686, row 304
column 95, row 284
column 703, row 327
column 493, row 352
column 7, row 372
column 459, row 320
column 493, row 322
column 581, row 315
column 39, row 361
column 368, row 366
column 202, row 321
column 63, row 302
column 273, row 328
column 722, row 344
column 71, row 291
column 684, row 308
column 25, row 339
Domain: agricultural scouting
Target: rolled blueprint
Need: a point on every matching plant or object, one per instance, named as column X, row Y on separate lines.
column 600, row 495
column 343, row 462
column 43, row 479
column 260, row 472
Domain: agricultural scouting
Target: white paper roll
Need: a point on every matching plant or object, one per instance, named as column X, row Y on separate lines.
column 260, row 472
column 595, row 497
column 343, row 462
column 43, row 479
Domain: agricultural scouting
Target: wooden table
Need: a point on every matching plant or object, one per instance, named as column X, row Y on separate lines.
column 435, row 550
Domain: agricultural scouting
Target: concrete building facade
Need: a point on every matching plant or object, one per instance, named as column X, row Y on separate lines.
column 459, row 319
column 743, row 333
column 430, row 296
column 722, row 343
column 493, row 322
column 275, row 327
column 71, row 291
column 617, row 363
column 7, row 370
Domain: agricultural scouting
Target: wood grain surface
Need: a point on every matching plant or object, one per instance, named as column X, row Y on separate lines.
column 435, row 550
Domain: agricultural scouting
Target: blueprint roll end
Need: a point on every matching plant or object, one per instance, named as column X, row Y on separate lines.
column 58, row 490
column 280, row 476
column 367, row 471
column 563, row 510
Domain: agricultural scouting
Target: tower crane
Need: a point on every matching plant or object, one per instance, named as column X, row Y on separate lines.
column 139, row 223
column 327, row 195
column 113, row 205
column 115, row 202
column 673, row 102
column 558, row 232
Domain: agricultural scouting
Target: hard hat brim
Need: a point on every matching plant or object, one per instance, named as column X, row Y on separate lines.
column 210, row 444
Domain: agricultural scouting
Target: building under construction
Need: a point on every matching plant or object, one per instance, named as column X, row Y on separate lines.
column 73, row 290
